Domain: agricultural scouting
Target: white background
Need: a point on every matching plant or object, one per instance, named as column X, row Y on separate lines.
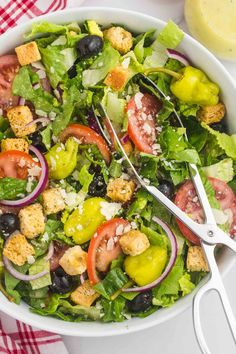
column 177, row 335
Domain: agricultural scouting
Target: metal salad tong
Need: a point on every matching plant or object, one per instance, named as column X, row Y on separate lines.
column 209, row 233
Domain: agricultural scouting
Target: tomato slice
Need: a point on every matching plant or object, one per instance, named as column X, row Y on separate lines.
column 87, row 136
column 186, row 199
column 142, row 110
column 104, row 247
column 15, row 164
column 9, row 67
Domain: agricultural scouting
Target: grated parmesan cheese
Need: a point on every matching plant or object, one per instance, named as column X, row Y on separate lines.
column 109, row 210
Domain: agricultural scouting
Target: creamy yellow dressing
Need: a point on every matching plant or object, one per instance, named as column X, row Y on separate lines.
column 213, row 22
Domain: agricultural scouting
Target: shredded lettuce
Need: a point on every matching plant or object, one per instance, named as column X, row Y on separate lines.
column 104, row 63
column 57, row 62
column 225, row 142
column 113, row 282
column 12, row 188
column 171, row 35
column 115, row 106
column 39, row 266
column 113, row 310
column 222, row 170
column 85, row 178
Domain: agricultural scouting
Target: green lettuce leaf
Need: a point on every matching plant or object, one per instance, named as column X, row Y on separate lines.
column 46, row 136
column 113, row 310
column 39, row 266
column 222, row 170
column 114, row 106
column 57, row 62
column 42, row 100
column 225, row 142
column 186, row 286
column 114, row 281
column 78, row 311
column 12, row 188
column 139, row 49
column 171, row 35
column 44, row 28
column 168, row 291
column 11, row 282
column 104, row 63
column 85, row 178
column 115, row 168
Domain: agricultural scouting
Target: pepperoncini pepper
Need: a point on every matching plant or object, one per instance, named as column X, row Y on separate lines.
column 62, row 159
column 192, row 86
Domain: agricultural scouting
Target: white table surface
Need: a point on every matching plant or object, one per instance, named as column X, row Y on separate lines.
column 175, row 336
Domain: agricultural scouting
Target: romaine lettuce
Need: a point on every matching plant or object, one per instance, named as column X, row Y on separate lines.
column 222, row 170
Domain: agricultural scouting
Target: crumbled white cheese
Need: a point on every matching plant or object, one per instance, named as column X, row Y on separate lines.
column 42, row 74
column 109, row 210
column 29, row 184
column 73, row 199
column 147, row 128
column 34, row 171
column 52, row 115
column 30, row 259
column 220, row 216
column 133, row 225
column 45, row 237
column 79, row 227
column 22, row 163
column 127, row 228
column 41, row 113
column 110, row 244
column 138, row 100
column 119, row 230
column 38, row 65
column 125, row 63
column 36, row 86
column 125, row 176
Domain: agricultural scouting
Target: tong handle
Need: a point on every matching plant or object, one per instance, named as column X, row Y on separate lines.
column 215, row 283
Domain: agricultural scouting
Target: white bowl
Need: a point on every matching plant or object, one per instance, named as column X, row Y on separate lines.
column 202, row 58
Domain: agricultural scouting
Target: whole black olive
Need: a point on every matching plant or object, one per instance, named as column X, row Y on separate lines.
column 140, row 303
column 98, row 187
column 167, row 188
column 89, row 46
column 9, row 223
column 220, row 127
column 62, row 283
column 37, row 141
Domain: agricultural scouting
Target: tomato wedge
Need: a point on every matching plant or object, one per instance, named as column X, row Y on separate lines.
column 15, row 164
column 104, row 247
column 87, row 136
column 186, row 199
column 142, row 110
column 9, row 67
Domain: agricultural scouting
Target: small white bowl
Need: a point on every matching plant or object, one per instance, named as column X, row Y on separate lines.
column 202, row 58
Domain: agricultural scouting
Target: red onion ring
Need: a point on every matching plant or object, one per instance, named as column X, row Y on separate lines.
column 170, row 265
column 9, row 266
column 174, row 54
column 21, row 101
column 40, row 186
column 38, row 120
column 81, row 277
column 125, row 139
column 50, row 252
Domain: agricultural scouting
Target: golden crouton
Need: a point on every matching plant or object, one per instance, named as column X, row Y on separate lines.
column 74, row 261
column 15, row 144
column 84, row 295
column 134, row 242
column 28, row 53
column 196, row 260
column 119, row 38
column 19, row 117
column 52, row 201
column 212, row 114
column 18, row 249
column 32, row 220
column 120, row 190
column 117, row 78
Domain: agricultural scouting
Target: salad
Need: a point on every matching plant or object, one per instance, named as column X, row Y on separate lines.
column 80, row 239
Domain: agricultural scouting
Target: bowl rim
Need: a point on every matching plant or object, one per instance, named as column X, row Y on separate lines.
column 182, row 304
